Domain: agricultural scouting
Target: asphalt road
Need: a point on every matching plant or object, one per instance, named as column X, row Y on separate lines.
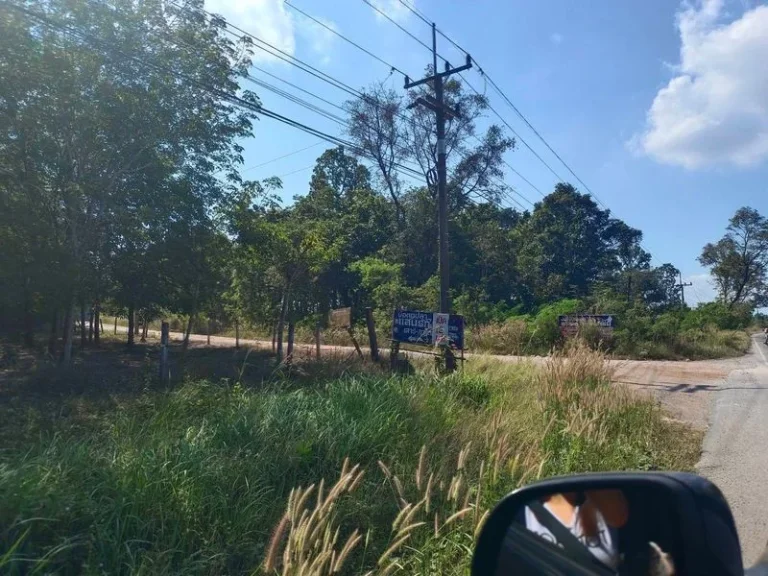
column 735, row 454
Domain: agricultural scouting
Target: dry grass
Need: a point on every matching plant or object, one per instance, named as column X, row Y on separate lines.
column 198, row 480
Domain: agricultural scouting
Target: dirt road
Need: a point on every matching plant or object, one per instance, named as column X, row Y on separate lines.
column 685, row 389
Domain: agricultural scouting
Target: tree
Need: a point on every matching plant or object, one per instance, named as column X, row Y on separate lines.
column 114, row 126
column 393, row 130
column 738, row 262
column 565, row 246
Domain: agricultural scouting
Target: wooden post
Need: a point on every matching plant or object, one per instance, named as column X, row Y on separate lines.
column 317, row 340
column 237, row 333
column 208, row 339
column 115, row 323
column 289, row 352
column 90, row 326
column 354, row 341
column 164, row 337
column 394, row 351
column 372, row 334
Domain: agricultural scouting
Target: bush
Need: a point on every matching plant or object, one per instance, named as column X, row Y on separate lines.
column 510, row 337
column 546, row 331
column 718, row 315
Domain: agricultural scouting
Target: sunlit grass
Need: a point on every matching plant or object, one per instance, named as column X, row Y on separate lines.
column 215, row 478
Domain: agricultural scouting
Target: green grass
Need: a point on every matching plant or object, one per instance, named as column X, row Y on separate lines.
column 690, row 345
column 194, row 480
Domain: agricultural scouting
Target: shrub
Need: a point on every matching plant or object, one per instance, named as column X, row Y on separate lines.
column 719, row 315
column 546, row 331
column 510, row 337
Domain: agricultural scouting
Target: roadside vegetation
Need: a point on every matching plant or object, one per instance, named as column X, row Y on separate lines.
column 122, row 194
column 267, row 470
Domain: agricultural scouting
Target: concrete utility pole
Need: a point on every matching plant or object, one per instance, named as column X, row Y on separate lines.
column 682, row 286
column 437, row 105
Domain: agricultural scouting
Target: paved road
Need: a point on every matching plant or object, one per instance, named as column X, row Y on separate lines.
column 735, row 455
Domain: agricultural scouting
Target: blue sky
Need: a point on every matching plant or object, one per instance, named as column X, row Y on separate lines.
column 660, row 108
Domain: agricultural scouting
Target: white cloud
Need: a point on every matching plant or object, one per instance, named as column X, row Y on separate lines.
column 556, row 38
column 320, row 39
column 715, row 110
column 703, row 290
column 392, row 8
column 266, row 19
column 271, row 21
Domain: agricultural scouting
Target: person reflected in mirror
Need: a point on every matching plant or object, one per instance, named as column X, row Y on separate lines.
column 592, row 517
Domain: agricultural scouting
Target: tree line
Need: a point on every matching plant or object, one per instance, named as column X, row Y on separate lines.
column 120, row 141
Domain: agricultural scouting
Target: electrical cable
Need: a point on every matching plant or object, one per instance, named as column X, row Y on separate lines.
column 231, row 98
column 281, row 157
column 343, row 37
column 385, row 15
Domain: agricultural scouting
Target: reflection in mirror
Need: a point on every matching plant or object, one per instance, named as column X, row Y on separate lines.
column 599, row 531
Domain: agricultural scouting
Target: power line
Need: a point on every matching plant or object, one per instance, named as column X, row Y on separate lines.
column 292, row 85
column 343, row 37
column 278, row 53
column 296, row 100
column 281, row 157
column 517, row 135
column 293, row 61
column 385, row 15
column 231, row 98
column 536, row 132
column 296, row 171
column 418, row 14
column 339, row 84
column 514, row 108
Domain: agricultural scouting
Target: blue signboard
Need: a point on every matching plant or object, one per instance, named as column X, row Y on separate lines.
column 427, row 328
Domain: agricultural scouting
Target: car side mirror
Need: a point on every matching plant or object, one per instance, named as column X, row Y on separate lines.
column 655, row 524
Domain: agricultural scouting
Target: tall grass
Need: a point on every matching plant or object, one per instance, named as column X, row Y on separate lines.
column 362, row 473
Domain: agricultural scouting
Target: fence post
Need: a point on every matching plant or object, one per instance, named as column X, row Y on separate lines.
column 372, row 334
column 164, row 337
column 317, row 339
column 208, row 339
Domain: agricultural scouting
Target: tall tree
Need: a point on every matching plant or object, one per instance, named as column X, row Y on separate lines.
column 565, row 245
column 738, row 262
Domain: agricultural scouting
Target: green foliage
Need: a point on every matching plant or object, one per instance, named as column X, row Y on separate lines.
column 193, row 481
column 719, row 315
column 739, row 261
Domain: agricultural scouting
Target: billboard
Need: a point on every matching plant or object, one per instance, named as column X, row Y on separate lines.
column 570, row 324
column 428, row 328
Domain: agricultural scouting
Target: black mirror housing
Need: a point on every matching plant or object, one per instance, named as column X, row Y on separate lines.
column 690, row 515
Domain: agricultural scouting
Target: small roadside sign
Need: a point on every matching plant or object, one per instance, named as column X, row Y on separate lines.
column 341, row 318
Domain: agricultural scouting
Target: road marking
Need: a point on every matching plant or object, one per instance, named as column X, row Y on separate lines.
column 759, row 349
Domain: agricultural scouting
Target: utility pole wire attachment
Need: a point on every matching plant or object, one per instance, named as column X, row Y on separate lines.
column 437, row 105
